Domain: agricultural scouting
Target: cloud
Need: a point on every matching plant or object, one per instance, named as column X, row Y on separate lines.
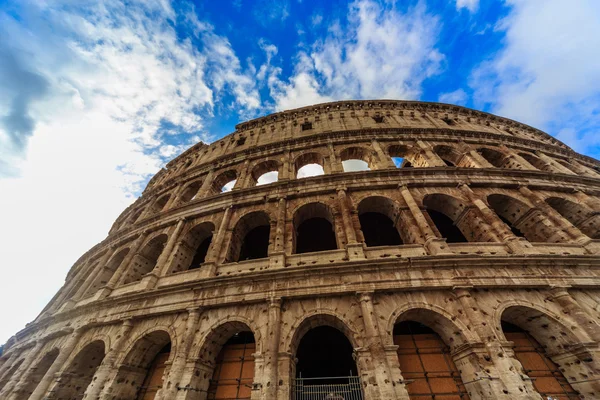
column 459, row 96
column 94, row 98
column 471, row 5
column 316, row 19
column 268, row 12
column 378, row 52
column 548, row 72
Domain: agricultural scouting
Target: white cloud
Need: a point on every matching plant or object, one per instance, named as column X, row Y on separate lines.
column 471, row 5
column 310, row 170
column 381, row 53
column 267, row 178
column 548, row 73
column 316, row 19
column 113, row 76
column 459, row 96
column 355, row 165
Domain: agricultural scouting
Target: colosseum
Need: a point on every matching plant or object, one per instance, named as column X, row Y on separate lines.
column 353, row 250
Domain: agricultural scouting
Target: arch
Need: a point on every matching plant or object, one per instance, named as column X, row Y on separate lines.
column 319, row 317
column 107, row 271
column 160, row 203
column 250, row 237
column 379, row 221
column 535, row 161
column 224, row 182
column 401, row 155
column 314, row 229
column 312, row 164
column 540, row 340
column 80, row 371
column 136, row 216
column 356, row 159
column 145, row 260
column 10, row 372
column 265, row 172
column 227, row 356
column 587, row 220
column 448, row 154
column 573, row 169
column 497, row 158
column 444, row 213
column 190, row 192
column 39, row 370
column 522, row 219
column 193, row 249
column 141, row 372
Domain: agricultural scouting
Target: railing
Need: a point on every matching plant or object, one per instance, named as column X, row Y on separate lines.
column 334, row 388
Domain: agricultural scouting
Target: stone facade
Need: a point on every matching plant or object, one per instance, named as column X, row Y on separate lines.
column 526, row 206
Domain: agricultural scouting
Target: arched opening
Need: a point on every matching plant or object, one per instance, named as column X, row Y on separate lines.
column 136, row 216
column 426, row 363
column 586, row 220
column 528, row 329
column 78, row 375
column 400, row 155
column 38, row 372
column 107, row 271
column 355, row 159
column 190, row 192
column 326, row 365
column 523, row 221
column 496, row 158
column 449, row 155
column 145, row 260
column 535, row 161
column 234, row 369
column 443, row 211
column 192, row 251
column 250, row 237
column 571, row 168
column 224, row 182
column 378, row 218
column 265, row 173
column 141, row 375
column 309, row 164
column 10, row 373
column 160, row 204
column 314, row 229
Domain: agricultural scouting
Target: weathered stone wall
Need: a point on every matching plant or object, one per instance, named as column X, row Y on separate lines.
column 527, row 206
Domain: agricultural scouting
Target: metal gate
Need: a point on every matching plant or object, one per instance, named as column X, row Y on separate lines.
column 234, row 373
column 336, row 388
column 428, row 369
column 547, row 378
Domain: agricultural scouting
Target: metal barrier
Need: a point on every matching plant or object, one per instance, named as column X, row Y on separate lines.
column 348, row 388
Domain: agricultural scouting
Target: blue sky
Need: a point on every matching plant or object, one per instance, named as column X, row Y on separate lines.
column 95, row 96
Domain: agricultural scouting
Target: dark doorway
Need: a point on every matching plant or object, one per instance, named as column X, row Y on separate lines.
column 325, row 352
column 201, row 252
column 378, row 230
column 446, row 227
column 256, row 243
column 516, row 231
column 154, row 378
column 315, row 234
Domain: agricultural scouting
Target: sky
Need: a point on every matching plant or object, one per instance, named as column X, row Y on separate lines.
column 96, row 96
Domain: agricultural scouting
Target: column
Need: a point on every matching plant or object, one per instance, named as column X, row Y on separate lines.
column 116, row 278
column 335, row 165
column 107, row 368
column 590, row 201
column 206, row 184
column 433, row 160
column 503, row 378
column 243, row 177
column 285, row 169
column 173, row 380
column 583, row 169
column 515, row 244
column 478, row 159
column 384, row 161
column 94, row 275
column 149, row 280
column 57, row 365
column 271, row 359
column 23, row 369
column 433, row 244
column 558, row 220
column 570, row 307
column 355, row 249
column 214, row 252
column 555, row 166
column 385, row 374
column 277, row 256
column 174, row 196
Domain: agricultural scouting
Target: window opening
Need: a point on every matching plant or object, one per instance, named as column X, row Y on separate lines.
column 228, row 186
column 309, row 170
column 354, row 165
column 545, row 375
column 315, row 234
column 426, row 363
column 234, row 370
column 306, row 126
column 241, row 141
column 378, row 230
column 201, row 252
column 516, row 231
column 378, row 119
column 190, row 192
column 268, row 177
column 446, row 227
column 398, row 161
column 255, row 244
